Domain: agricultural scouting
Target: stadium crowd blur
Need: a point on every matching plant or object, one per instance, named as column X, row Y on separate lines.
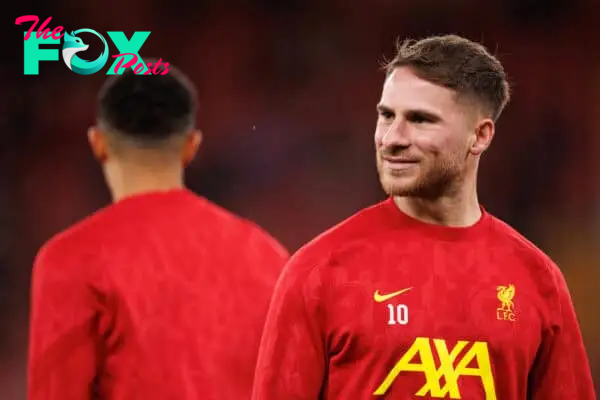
column 288, row 93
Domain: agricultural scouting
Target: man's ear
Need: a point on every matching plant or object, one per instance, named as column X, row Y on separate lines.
column 191, row 146
column 97, row 141
column 482, row 137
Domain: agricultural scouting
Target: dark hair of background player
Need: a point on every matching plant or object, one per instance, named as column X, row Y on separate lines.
column 147, row 110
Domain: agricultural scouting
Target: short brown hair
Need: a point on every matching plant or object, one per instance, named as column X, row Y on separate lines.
column 459, row 64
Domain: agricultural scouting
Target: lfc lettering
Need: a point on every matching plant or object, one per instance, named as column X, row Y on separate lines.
column 506, row 295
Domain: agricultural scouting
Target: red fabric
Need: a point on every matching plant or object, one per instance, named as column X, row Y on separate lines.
column 464, row 333
column 159, row 296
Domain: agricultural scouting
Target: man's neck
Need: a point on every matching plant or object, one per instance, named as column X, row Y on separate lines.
column 453, row 211
column 126, row 181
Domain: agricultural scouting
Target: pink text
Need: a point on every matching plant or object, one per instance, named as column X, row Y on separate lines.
column 138, row 69
column 42, row 30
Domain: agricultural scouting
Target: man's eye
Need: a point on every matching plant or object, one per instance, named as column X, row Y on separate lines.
column 386, row 114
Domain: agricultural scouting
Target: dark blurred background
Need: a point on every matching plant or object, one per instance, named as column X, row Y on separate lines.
column 288, row 92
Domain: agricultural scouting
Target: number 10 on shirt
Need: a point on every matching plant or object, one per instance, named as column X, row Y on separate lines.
column 398, row 314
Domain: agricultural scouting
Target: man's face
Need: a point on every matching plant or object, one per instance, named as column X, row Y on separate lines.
column 423, row 136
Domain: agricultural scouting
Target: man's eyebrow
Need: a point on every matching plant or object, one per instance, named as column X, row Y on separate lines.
column 423, row 114
column 383, row 108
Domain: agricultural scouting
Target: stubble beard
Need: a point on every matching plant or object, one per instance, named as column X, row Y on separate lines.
column 422, row 180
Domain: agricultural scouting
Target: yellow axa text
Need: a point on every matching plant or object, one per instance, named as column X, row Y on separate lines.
column 448, row 387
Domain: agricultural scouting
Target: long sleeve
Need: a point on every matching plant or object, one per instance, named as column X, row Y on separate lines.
column 291, row 362
column 62, row 344
column 562, row 370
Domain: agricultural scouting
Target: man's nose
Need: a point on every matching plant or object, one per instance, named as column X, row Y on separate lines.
column 397, row 134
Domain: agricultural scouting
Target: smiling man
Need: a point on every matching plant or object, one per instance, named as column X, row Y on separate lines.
column 426, row 295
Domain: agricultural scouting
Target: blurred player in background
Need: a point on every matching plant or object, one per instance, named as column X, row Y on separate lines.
column 161, row 295
column 426, row 295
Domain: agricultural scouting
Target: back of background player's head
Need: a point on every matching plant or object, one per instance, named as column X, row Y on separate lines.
column 147, row 111
column 459, row 64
